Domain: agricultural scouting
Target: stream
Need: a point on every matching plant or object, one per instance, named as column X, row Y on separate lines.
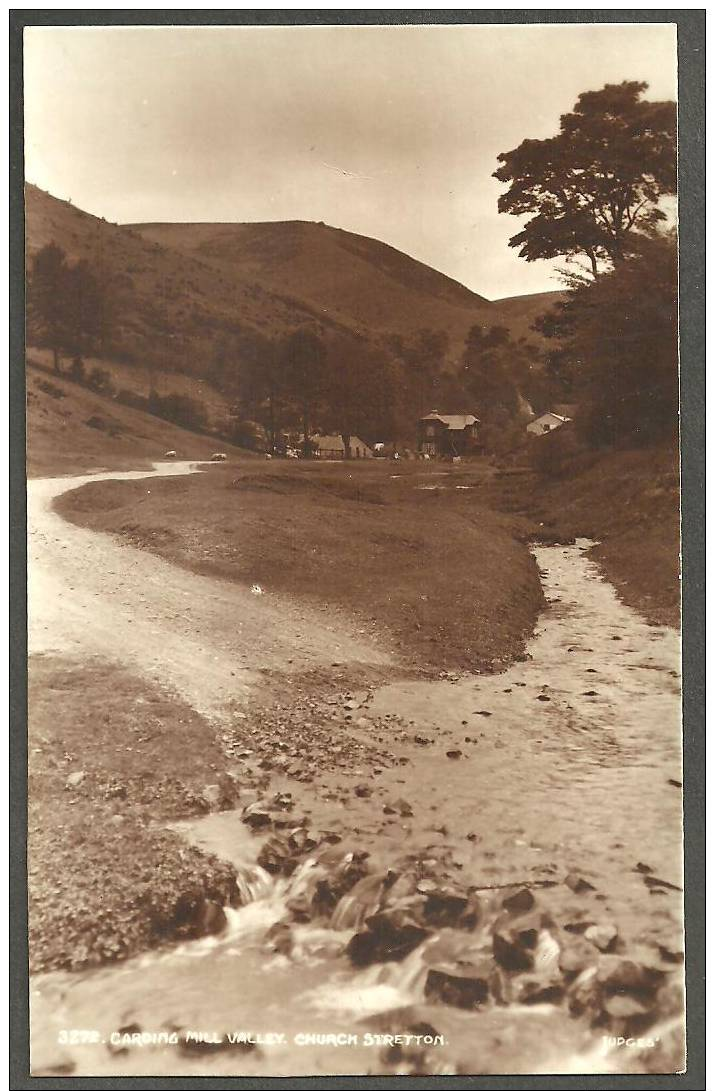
column 571, row 761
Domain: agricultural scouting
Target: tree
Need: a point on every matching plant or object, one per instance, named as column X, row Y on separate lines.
column 302, row 355
column 355, row 388
column 67, row 308
column 488, row 364
column 423, row 355
column 46, row 304
column 85, row 312
column 590, row 189
column 620, row 333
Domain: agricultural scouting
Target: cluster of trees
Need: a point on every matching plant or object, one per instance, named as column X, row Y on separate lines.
column 306, row 381
column 596, row 191
column 68, row 309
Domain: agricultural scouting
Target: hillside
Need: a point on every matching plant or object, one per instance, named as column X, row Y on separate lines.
column 177, row 289
column 170, row 307
column 71, row 429
column 355, row 281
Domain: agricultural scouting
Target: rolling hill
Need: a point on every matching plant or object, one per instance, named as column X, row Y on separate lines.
column 177, row 288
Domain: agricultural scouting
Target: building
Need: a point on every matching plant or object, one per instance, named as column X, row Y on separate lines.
column 447, row 434
column 331, row 447
column 547, row 422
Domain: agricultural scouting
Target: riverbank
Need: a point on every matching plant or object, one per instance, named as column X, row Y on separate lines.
column 111, row 761
column 628, row 501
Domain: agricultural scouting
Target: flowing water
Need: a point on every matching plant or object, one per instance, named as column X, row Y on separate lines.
column 581, row 770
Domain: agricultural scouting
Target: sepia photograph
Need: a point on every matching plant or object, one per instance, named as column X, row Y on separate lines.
column 355, row 739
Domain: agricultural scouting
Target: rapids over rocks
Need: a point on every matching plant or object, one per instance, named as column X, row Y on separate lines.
column 470, row 952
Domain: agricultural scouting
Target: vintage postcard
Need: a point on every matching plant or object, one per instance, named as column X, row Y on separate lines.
column 355, row 741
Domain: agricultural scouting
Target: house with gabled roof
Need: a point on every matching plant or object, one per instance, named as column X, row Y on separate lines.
column 547, row 422
column 448, row 434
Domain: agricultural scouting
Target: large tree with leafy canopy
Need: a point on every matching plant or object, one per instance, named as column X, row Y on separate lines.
column 596, row 184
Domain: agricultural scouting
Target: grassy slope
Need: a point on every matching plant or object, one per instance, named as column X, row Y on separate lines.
column 356, row 280
column 104, row 880
column 450, row 584
column 61, row 439
column 169, row 305
column 176, row 285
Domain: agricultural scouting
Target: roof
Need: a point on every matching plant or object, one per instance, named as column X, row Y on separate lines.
column 456, row 422
column 335, row 443
column 545, row 418
column 555, row 416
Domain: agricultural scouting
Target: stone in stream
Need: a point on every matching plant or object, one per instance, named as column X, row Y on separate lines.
column 539, row 989
column 624, row 975
column 623, row 1007
column 576, row 955
column 276, row 856
column 210, row 919
column 451, row 909
column 514, row 941
column 211, row 796
column 520, row 902
column 602, row 936
column 398, row 806
column 455, row 755
column 578, row 884
column 75, row 779
column 466, row 987
column 279, row 938
column 390, row 936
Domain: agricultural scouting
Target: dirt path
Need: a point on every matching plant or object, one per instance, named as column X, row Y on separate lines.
column 91, row 594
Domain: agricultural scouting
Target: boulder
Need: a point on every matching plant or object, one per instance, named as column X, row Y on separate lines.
column 577, row 883
column 451, row 909
column 210, row 918
column 602, row 936
column 274, row 855
column 279, row 938
column 514, row 942
column 576, row 955
column 522, row 901
column 539, row 989
column 211, row 795
column 465, row 986
column 390, row 937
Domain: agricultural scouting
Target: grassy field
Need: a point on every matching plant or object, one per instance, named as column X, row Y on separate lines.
column 450, row 584
column 107, row 766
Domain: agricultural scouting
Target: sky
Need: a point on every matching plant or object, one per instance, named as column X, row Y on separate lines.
column 391, row 132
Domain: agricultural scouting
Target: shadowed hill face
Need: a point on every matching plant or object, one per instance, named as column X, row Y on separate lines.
column 178, row 288
column 359, row 282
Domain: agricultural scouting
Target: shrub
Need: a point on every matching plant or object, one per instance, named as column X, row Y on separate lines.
column 100, row 380
column 179, row 409
column 77, row 370
column 552, row 454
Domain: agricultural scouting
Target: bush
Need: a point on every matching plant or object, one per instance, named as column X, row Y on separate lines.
column 179, row 409
column 100, row 380
column 77, row 370
column 132, row 399
column 552, row 454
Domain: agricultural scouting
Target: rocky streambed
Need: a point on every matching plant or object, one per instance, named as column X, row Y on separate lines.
column 488, row 882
